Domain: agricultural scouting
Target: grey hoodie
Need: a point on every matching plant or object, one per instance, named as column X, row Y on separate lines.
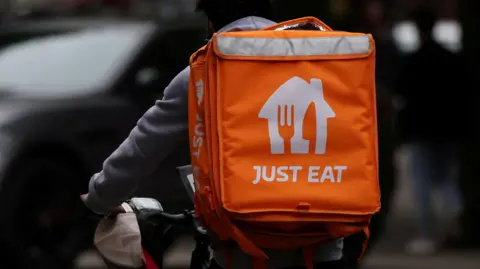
column 158, row 134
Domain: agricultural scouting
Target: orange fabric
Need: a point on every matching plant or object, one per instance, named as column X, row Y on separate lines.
column 259, row 192
column 308, row 257
column 228, row 255
column 300, row 20
column 366, row 231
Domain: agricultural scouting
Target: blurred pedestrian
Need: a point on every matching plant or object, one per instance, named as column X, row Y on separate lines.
column 432, row 89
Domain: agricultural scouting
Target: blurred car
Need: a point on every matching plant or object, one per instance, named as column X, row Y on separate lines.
column 24, row 8
column 18, row 31
column 35, row 7
column 98, row 5
column 66, row 102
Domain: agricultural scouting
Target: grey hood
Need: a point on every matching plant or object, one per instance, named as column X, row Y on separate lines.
column 247, row 24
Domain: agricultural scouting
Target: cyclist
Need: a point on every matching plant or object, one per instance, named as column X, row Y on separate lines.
column 164, row 128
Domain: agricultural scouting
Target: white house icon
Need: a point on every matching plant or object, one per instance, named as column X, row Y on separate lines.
column 295, row 96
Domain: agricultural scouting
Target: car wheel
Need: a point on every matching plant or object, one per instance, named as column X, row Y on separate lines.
column 45, row 220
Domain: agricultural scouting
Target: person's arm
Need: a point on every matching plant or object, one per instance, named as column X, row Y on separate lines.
column 154, row 137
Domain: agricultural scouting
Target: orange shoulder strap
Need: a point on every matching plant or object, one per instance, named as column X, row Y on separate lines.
column 300, row 20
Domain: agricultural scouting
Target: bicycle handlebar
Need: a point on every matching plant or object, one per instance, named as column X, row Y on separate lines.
column 174, row 218
column 186, row 219
column 151, row 217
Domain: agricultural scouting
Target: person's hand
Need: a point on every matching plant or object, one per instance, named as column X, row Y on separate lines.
column 83, row 197
column 89, row 211
column 112, row 213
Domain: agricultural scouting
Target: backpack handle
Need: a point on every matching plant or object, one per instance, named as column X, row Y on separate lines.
column 300, row 20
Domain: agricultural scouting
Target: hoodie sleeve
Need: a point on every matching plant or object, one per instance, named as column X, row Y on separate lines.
column 156, row 135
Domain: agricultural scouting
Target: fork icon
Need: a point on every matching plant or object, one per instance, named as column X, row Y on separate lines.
column 286, row 129
column 291, row 130
column 286, row 111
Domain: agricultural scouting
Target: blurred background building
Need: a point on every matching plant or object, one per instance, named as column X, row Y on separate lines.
column 163, row 33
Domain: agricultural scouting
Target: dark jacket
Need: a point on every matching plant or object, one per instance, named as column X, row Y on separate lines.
column 434, row 86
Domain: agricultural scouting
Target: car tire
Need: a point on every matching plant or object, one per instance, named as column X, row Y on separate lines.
column 45, row 224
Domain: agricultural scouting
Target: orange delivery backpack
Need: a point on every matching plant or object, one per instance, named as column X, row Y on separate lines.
column 283, row 138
